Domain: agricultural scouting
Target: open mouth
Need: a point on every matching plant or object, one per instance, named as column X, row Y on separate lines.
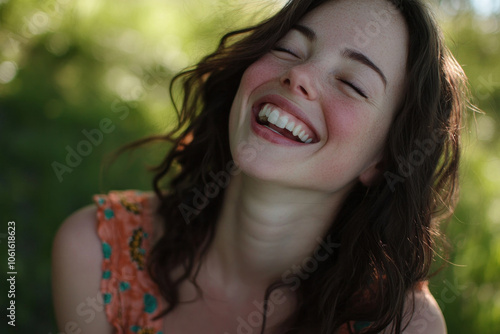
column 282, row 123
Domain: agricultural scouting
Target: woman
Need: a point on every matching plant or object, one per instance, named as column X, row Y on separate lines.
column 314, row 213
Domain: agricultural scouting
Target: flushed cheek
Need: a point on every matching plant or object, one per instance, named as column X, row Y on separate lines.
column 256, row 75
column 261, row 71
column 344, row 121
column 354, row 136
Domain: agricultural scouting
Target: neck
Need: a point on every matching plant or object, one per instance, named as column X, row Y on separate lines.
column 265, row 230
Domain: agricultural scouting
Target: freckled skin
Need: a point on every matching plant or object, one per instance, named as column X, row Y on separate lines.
column 352, row 129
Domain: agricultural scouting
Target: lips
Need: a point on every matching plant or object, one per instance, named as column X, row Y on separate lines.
column 282, row 118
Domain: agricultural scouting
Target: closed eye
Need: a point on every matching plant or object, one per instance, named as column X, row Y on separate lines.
column 282, row 49
column 356, row 88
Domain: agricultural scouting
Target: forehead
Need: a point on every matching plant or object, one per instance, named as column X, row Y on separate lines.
column 374, row 27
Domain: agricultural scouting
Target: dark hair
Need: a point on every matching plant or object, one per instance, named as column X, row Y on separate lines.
column 387, row 230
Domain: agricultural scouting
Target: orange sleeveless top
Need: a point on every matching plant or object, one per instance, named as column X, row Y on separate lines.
column 131, row 298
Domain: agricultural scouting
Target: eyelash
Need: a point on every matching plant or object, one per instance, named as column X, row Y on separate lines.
column 357, row 89
column 282, row 49
column 350, row 84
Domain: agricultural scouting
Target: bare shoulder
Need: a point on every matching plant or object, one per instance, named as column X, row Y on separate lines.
column 427, row 316
column 76, row 275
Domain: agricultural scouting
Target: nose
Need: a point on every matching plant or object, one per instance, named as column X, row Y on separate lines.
column 299, row 80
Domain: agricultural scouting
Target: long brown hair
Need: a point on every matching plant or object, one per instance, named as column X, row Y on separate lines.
column 387, row 231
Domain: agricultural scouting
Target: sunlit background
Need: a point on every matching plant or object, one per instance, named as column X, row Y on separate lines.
column 69, row 67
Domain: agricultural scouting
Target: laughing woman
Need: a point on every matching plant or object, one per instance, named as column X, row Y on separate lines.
column 316, row 154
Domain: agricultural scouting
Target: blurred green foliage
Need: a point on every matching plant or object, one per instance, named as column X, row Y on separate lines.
column 71, row 68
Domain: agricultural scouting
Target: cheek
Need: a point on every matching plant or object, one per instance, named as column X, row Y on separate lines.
column 344, row 119
column 261, row 71
column 355, row 130
column 255, row 75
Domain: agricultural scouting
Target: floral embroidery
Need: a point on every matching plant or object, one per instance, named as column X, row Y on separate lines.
column 124, row 286
column 106, row 250
column 107, row 298
column 139, row 330
column 359, row 325
column 136, row 252
column 106, row 274
column 135, row 208
column 130, row 296
column 150, row 303
column 108, row 213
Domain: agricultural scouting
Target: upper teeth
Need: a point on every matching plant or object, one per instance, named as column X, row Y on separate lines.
column 273, row 116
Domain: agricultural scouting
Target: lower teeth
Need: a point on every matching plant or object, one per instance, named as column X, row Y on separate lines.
column 264, row 122
column 273, row 130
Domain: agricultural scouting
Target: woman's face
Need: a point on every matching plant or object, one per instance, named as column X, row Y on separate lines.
column 339, row 75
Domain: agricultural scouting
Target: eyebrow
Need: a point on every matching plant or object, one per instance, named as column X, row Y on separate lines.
column 347, row 53
column 359, row 57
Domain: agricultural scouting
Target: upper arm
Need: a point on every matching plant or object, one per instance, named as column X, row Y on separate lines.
column 76, row 275
column 427, row 316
